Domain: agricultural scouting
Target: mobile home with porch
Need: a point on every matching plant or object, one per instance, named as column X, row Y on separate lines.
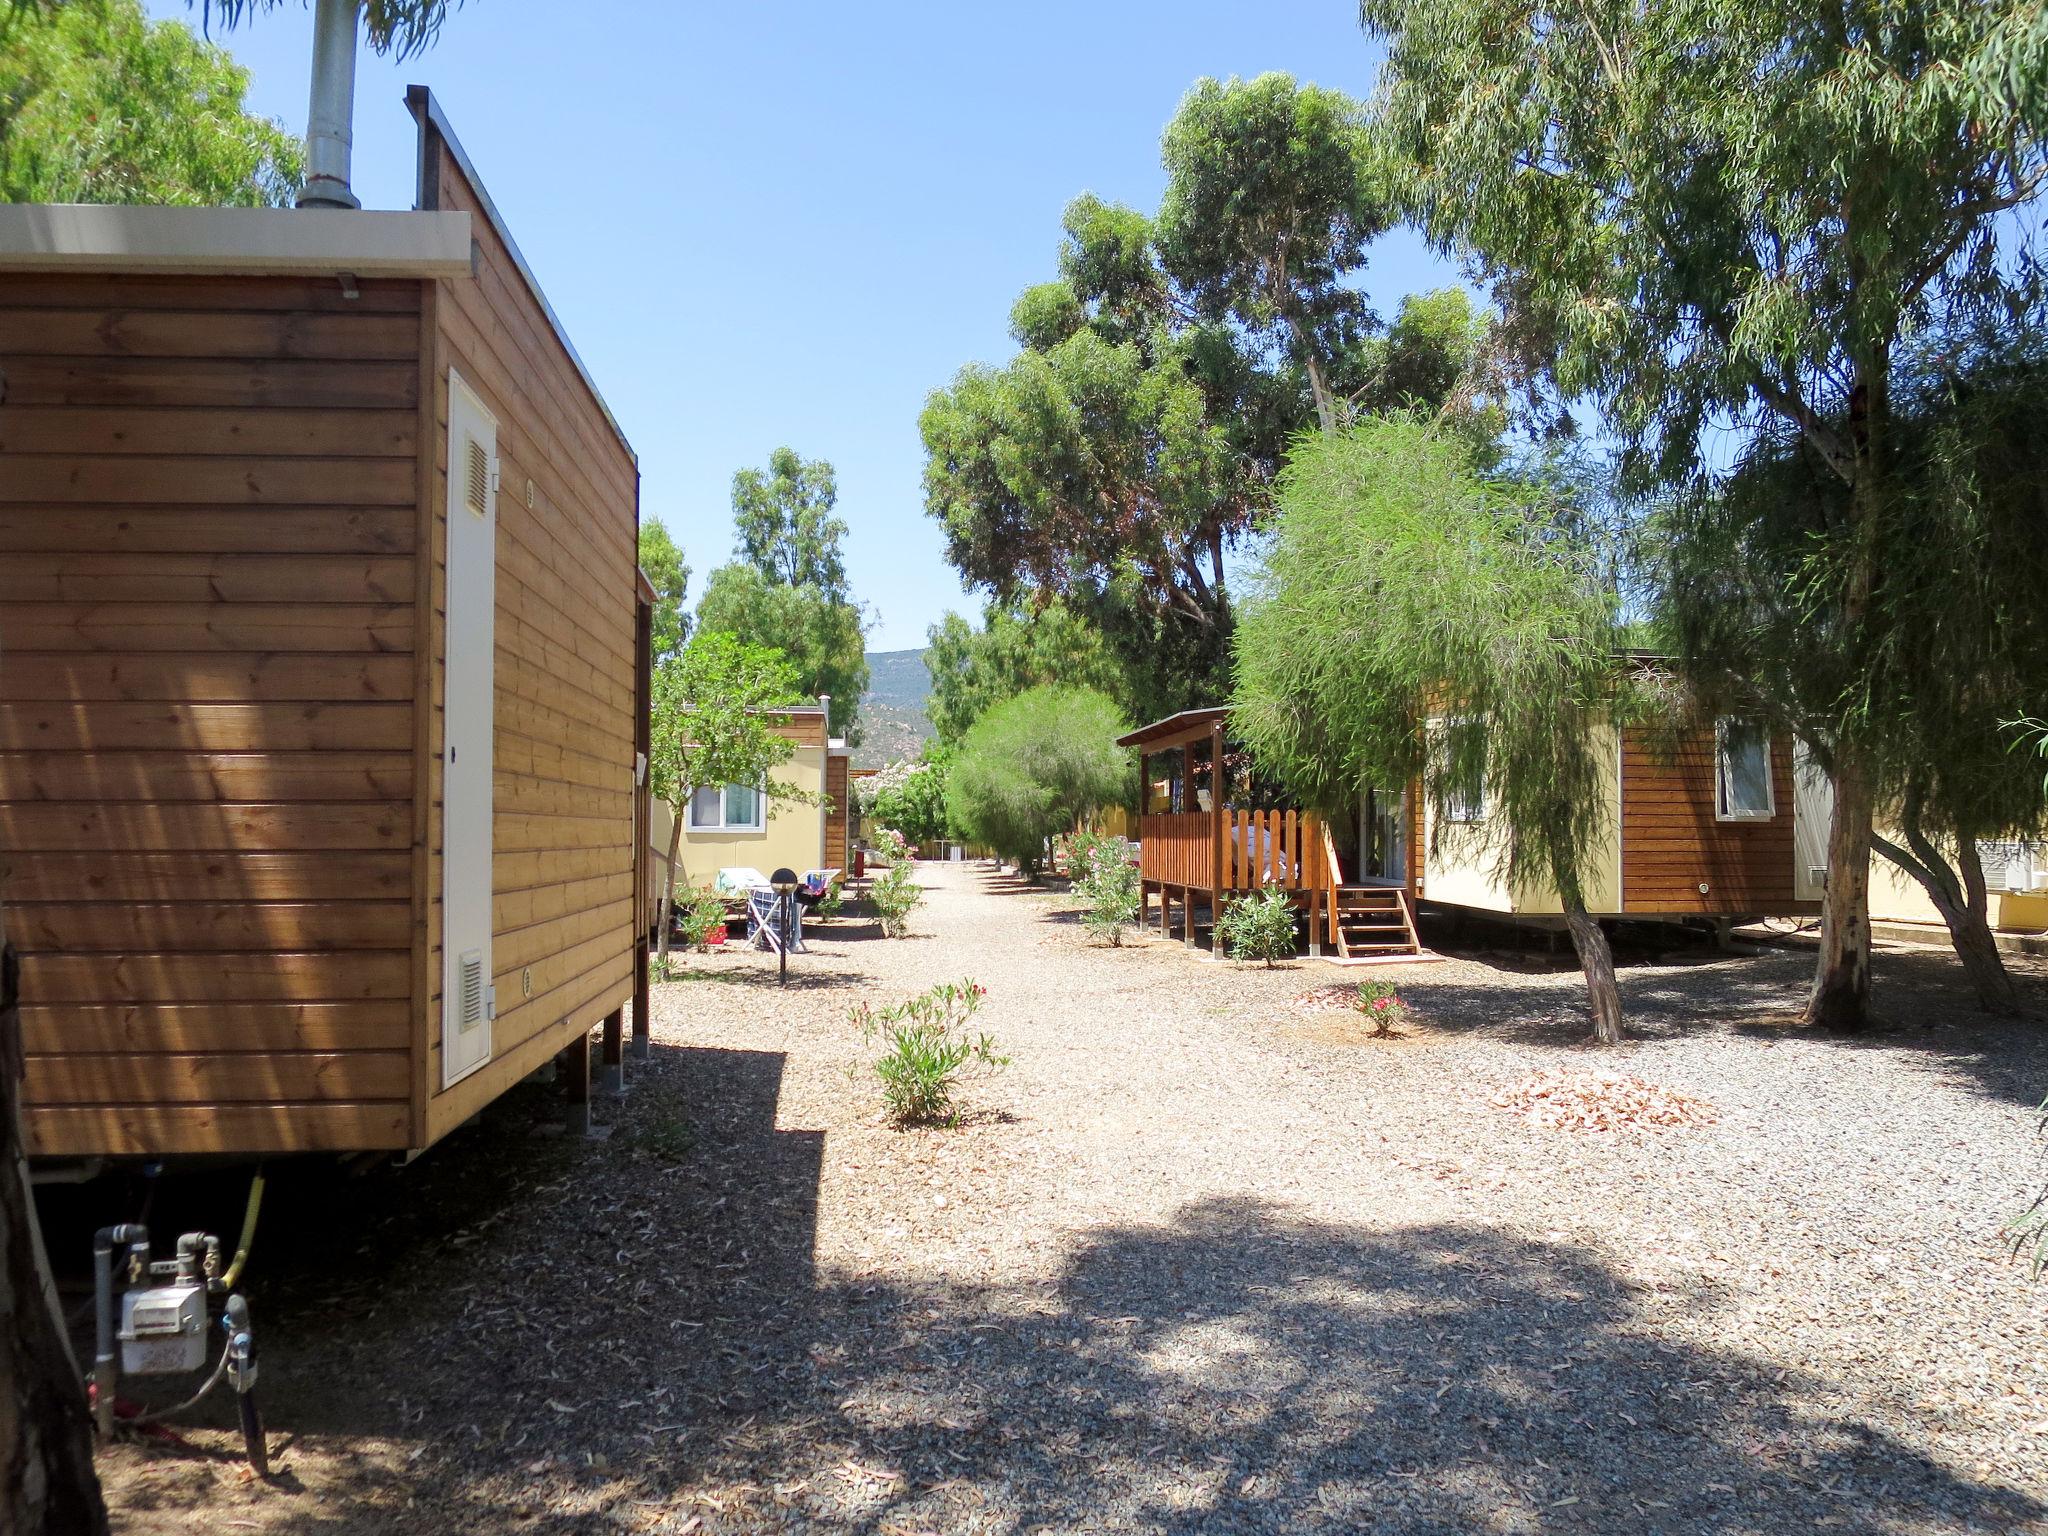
column 1703, row 824
column 324, row 666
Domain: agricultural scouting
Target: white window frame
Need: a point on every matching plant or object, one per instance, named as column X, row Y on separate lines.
column 758, row 824
column 1721, row 777
column 1460, row 811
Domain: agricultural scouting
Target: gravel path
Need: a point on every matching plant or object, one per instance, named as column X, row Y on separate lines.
column 1195, row 1262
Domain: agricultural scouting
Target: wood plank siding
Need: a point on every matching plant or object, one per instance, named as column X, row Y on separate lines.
column 1671, row 844
column 208, row 509
column 837, row 792
column 565, row 723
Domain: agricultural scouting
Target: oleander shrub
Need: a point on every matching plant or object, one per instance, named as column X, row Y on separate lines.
column 928, row 1050
column 896, row 894
column 698, row 915
column 1257, row 927
column 1381, row 1007
column 1109, row 885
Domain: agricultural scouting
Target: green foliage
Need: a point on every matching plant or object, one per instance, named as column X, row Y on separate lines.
column 1131, row 446
column 1398, row 574
column 909, row 796
column 823, row 639
column 1707, row 209
column 1401, row 587
column 100, row 105
column 1271, row 198
column 1260, row 927
column 1017, row 647
column 1948, row 649
column 1105, row 872
column 783, row 521
column 2028, row 1231
column 896, row 894
column 697, row 917
column 708, row 725
column 670, row 573
column 928, row 1051
column 1036, row 765
column 832, row 903
column 1381, row 1006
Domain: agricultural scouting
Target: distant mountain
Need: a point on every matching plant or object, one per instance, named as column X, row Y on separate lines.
column 893, row 723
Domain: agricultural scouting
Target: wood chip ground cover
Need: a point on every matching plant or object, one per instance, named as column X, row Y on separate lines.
column 1185, row 1269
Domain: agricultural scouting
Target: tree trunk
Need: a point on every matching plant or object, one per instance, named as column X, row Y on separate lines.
column 1326, row 408
column 1965, row 907
column 668, row 885
column 1976, row 947
column 47, row 1483
column 1596, row 959
column 1841, row 980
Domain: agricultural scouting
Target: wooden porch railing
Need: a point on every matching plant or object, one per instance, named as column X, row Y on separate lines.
column 1246, row 849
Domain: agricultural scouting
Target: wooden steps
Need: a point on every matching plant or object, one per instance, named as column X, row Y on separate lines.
column 1374, row 922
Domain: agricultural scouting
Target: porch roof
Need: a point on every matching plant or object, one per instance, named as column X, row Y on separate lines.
column 1188, row 725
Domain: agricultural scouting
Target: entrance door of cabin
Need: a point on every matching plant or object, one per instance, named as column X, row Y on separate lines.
column 1383, row 834
column 468, row 1000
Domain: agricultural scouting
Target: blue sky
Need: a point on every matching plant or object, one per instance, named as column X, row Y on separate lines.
column 789, row 222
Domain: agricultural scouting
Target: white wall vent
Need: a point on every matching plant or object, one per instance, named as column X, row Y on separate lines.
column 476, row 488
column 470, row 1006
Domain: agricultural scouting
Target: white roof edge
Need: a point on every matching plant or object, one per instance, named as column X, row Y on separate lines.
column 81, row 237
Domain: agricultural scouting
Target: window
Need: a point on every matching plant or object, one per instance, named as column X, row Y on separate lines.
column 1466, row 801
column 1464, row 750
column 1742, row 771
column 726, row 808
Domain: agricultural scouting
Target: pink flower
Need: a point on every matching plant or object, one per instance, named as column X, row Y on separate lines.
column 1379, row 1004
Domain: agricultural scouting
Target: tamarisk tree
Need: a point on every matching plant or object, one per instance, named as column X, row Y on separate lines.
column 1716, row 213
column 1415, row 619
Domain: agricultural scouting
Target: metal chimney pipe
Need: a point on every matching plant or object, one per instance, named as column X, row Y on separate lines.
column 330, row 110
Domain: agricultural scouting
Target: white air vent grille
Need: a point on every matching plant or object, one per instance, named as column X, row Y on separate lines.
column 470, row 1005
column 476, row 490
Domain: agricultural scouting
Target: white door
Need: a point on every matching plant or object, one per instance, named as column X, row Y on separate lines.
column 1813, row 814
column 468, row 1000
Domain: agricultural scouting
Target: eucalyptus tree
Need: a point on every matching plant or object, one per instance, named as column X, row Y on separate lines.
column 1119, row 460
column 1017, row 647
column 1954, row 644
column 784, row 523
column 1417, row 618
column 787, row 586
column 1722, row 213
column 1271, row 200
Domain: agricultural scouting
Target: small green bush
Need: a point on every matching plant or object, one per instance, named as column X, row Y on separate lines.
column 666, row 1137
column 698, row 915
column 928, row 1051
column 1257, row 927
column 896, row 894
column 832, row 903
column 1109, row 884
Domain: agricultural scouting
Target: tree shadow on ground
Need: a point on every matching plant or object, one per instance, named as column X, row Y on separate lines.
column 568, row 1337
column 1249, row 1370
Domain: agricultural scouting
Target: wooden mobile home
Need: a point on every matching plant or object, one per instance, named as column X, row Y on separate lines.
column 323, row 667
column 1706, row 825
